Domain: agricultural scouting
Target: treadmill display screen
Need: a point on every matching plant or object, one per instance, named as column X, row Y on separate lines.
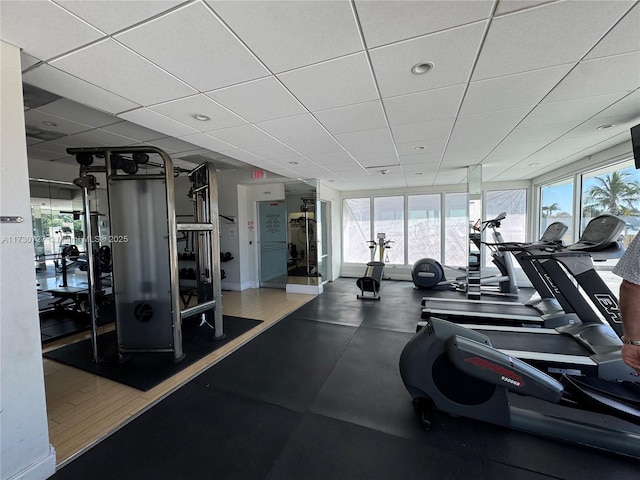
column 602, row 229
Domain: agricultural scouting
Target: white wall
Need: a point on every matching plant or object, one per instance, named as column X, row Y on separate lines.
column 24, row 436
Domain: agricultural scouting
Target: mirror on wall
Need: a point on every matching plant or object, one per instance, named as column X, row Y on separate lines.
column 302, row 232
column 474, row 264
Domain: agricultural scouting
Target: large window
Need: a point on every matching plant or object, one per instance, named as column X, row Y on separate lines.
column 614, row 190
column 356, row 230
column 389, row 219
column 456, row 229
column 423, row 227
column 556, row 205
column 514, row 227
column 514, row 203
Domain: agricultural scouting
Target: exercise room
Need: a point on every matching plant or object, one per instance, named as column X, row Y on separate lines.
column 313, row 239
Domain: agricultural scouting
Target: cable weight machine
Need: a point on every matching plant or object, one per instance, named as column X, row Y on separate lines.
column 143, row 237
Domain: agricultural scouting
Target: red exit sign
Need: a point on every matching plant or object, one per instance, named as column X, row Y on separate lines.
column 258, row 174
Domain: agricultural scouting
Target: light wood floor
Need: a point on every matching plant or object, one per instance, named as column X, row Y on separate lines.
column 83, row 408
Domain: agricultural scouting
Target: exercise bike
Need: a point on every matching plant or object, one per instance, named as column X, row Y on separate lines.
column 370, row 282
column 428, row 273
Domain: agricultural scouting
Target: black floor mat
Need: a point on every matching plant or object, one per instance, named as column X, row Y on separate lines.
column 286, row 365
column 196, row 433
column 323, row 448
column 146, row 370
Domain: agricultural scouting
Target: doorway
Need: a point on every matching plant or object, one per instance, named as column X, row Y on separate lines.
column 272, row 234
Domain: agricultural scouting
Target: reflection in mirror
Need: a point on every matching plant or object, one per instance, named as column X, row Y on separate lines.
column 302, row 232
column 474, row 191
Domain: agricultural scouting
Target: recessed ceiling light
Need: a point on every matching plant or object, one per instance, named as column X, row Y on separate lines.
column 534, row 164
column 418, row 173
column 293, row 162
column 384, row 171
column 604, row 127
column 50, row 124
column 201, row 117
column 421, row 68
column 419, row 147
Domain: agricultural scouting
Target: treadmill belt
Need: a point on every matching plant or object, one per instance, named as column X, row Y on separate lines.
column 536, row 342
column 484, row 310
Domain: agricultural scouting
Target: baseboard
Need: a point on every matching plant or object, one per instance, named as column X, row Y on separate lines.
column 43, row 468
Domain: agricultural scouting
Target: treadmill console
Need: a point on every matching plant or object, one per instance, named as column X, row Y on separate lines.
column 600, row 233
column 553, row 233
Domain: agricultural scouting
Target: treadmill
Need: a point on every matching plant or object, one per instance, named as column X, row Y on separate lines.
column 553, row 309
column 591, row 345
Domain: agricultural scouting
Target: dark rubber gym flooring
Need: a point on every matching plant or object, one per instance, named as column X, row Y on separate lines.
column 319, row 395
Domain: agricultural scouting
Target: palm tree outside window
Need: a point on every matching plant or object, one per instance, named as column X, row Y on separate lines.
column 615, row 192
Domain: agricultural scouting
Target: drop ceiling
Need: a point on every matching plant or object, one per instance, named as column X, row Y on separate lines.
column 324, row 89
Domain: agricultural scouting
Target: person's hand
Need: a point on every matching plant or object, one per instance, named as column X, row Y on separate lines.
column 631, row 356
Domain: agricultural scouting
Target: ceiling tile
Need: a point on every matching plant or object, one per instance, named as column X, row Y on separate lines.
column 511, row 91
column 173, row 145
column 193, row 45
column 424, row 159
column 483, row 130
column 424, row 132
column 36, row 118
column 43, row 154
column 385, row 155
column 380, row 137
column 628, row 106
column 431, row 147
column 464, row 157
column 155, row 121
column 424, row 106
column 69, row 86
column 97, row 137
column 507, row 6
column 353, row 118
column 185, row 110
column 334, row 160
column 293, row 128
column 451, row 177
column 620, row 73
column 510, row 149
column 242, row 136
column 77, row 112
column 539, row 133
column 111, row 16
column 287, row 35
column 132, row 130
column 542, row 37
column 573, row 111
column 107, row 65
column 316, row 146
column 409, row 18
column 345, row 81
column 43, row 29
column 392, row 64
column 273, row 151
column 623, row 38
column 259, row 100
column 207, row 141
column 246, row 157
column 619, row 124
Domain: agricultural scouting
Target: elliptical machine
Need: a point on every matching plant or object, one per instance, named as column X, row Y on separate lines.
column 428, row 273
column 372, row 278
column 456, row 370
